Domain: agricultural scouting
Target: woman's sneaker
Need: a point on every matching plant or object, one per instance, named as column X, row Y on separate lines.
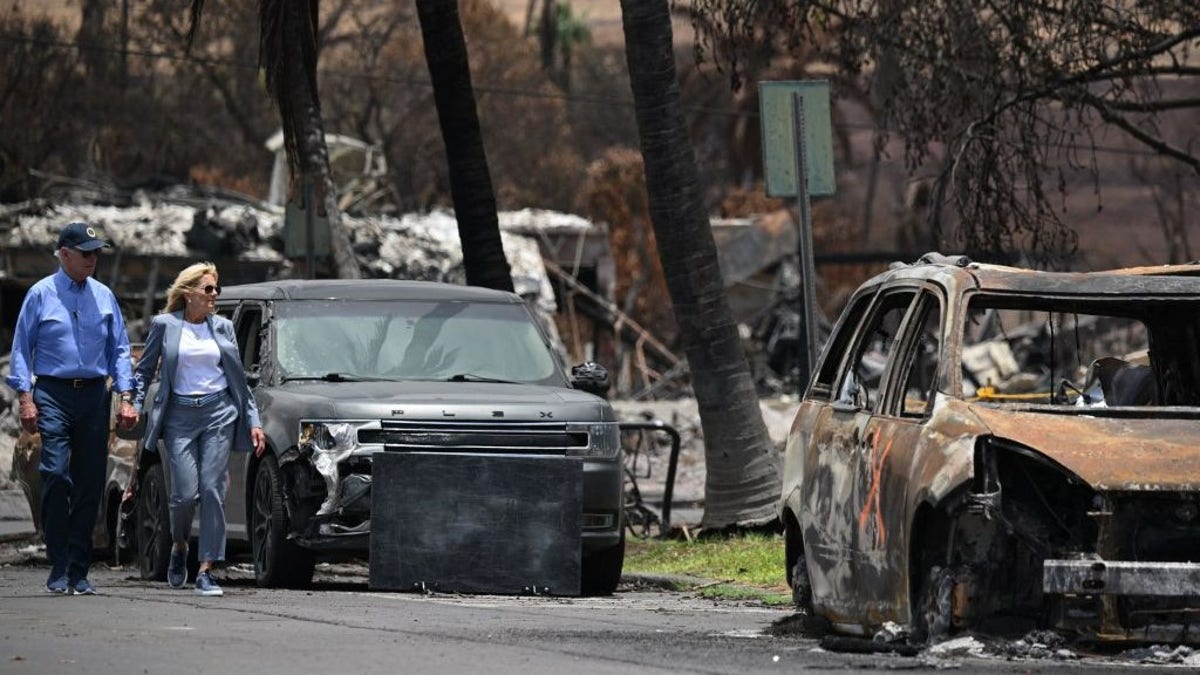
column 177, row 569
column 206, row 586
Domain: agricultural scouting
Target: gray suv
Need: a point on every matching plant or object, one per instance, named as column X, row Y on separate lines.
column 342, row 370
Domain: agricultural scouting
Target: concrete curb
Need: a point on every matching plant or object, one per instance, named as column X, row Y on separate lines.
column 10, row 537
column 668, row 582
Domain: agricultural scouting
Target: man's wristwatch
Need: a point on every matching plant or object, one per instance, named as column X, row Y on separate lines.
column 127, row 397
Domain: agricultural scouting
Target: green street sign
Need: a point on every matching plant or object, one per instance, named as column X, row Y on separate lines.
column 779, row 138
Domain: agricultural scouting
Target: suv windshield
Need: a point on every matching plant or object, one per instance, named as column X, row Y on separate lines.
column 402, row 340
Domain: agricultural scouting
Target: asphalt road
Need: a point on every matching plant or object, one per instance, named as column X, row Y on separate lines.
column 340, row 626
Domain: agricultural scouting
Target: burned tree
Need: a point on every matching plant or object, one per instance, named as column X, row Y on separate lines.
column 470, row 180
column 742, row 481
column 288, row 47
column 1006, row 100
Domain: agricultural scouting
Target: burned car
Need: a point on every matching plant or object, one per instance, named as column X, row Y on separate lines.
column 343, row 370
column 997, row 449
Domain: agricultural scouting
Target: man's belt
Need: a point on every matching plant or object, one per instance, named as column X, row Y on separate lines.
column 72, row 382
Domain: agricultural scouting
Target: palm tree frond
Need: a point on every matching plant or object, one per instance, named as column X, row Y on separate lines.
column 281, row 23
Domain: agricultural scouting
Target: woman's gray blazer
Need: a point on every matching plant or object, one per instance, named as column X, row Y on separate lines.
column 163, row 344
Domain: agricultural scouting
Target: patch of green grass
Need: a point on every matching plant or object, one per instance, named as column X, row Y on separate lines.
column 754, row 560
column 761, row 595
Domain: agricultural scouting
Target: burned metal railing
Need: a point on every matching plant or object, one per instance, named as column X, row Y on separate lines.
column 640, row 518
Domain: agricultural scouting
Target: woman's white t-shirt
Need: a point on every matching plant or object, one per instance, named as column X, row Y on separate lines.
column 198, row 371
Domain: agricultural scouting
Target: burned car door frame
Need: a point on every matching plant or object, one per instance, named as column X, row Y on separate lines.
column 847, row 514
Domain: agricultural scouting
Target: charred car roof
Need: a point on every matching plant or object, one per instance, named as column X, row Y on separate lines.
column 961, row 272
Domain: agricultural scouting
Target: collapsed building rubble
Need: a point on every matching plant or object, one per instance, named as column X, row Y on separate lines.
column 560, row 263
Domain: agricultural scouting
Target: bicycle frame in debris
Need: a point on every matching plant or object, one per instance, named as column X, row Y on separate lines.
column 669, row 485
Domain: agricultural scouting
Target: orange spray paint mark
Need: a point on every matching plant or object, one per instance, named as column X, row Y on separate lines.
column 873, row 505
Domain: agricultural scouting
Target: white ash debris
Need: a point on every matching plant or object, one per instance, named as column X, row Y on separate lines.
column 533, row 221
column 1163, row 655
column 427, row 246
column 891, row 632
column 1038, row 644
column 156, row 229
column 422, row 247
column 967, row 645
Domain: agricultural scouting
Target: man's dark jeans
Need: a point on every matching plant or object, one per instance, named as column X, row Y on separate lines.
column 73, row 422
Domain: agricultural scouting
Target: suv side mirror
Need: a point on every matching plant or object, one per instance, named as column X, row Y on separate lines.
column 590, row 377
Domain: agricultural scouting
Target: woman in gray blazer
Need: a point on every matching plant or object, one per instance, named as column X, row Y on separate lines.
column 203, row 406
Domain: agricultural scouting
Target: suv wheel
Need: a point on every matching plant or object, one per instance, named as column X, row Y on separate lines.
column 277, row 560
column 601, row 571
column 153, row 525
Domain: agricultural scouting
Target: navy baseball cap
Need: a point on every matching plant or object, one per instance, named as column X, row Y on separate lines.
column 80, row 236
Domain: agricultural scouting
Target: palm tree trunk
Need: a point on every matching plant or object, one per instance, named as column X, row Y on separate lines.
column 470, row 180
column 742, row 478
column 291, row 69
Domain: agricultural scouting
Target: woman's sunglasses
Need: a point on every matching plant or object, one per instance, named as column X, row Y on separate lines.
column 211, row 289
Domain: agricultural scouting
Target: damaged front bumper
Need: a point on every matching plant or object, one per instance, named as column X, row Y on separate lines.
column 1122, row 578
column 1127, row 600
column 330, row 474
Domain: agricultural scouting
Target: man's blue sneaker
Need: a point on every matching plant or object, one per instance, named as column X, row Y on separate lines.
column 83, row 587
column 177, row 569
column 57, row 583
column 206, row 586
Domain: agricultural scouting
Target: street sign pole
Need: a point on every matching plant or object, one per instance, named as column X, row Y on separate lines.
column 807, row 352
column 797, row 142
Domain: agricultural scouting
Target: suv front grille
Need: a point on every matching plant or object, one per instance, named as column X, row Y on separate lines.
column 510, row 438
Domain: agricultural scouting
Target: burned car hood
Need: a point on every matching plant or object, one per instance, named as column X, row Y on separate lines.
column 443, row 400
column 1110, row 450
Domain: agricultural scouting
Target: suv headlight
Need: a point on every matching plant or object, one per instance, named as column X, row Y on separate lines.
column 329, row 442
column 329, row 437
column 604, row 439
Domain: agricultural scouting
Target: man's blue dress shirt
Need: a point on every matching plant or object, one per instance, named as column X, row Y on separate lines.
column 69, row 329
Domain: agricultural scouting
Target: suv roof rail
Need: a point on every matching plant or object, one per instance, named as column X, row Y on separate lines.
column 935, row 258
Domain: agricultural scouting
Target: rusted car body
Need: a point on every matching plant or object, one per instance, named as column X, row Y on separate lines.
column 122, row 453
column 991, row 448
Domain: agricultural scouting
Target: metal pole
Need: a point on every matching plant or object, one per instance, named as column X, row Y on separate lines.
column 807, row 356
column 309, row 207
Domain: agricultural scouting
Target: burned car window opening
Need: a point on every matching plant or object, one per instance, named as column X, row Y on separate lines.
column 863, row 377
column 838, row 345
column 1084, row 352
column 919, row 374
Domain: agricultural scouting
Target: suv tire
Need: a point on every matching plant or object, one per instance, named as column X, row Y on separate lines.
column 153, row 525
column 278, row 562
column 601, row 571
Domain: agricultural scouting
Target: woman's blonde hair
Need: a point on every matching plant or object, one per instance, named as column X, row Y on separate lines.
column 188, row 280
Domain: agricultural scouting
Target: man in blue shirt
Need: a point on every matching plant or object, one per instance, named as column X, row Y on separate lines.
column 70, row 337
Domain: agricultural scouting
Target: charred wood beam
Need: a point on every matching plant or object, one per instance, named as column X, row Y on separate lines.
column 613, row 316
